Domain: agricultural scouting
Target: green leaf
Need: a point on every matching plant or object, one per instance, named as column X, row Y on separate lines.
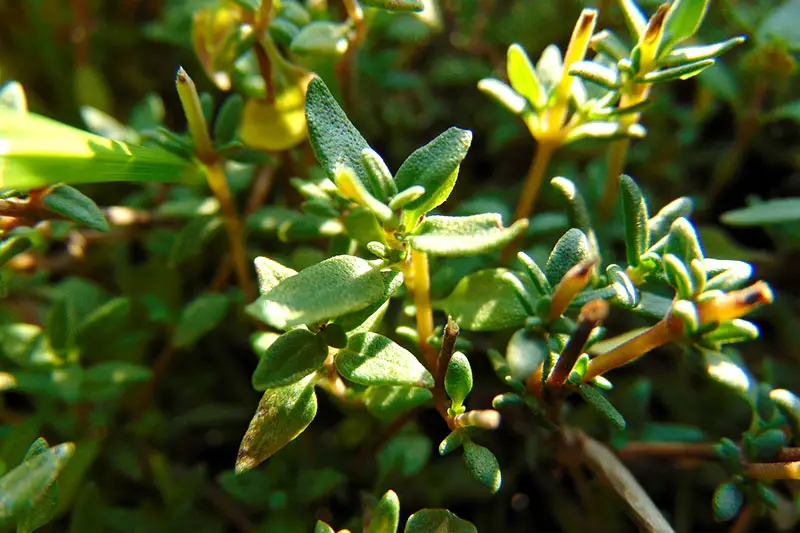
column 571, row 249
column 458, row 379
column 322, row 527
column 659, row 225
column 789, row 405
column 199, row 317
column 406, row 454
column 379, row 175
column 524, row 353
column 12, row 97
column 780, row 25
column 322, row 38
column 372, row 359
column 678, row 276
column 72, row 204
column 728, row 501
column 109, row 378
column 38, row 152
column 270, row 273
column 682, row 72
column 604, row 130
column 282, row 415
column 458, row 236
column 682, row 21
column 522, row 75
column 790, row 111
column 451, row 442
column 438, row 520
column 386, row 514
column 389, row 401
column 535, row 274
column 505, row 95
column 606, row 42
column 435, row 167
column 228, row 119
column 637, row 235
column 732, row 331
column 45, row 509
column 293, row 356
column 634, row 17
column 598, row 400
column 483, row 301
column 690, row 54
column 482, row 465
column 769, row 443
column 27, row 485
column 403, row 198
column 596, row 73
column 767, row 213
column 726, row 371
column 683, row 241
column 364, row 319
column 191, row 238
column 363, row 226
column 332, row 135
column 333, row 335
column 396, row 5
column 334, row 287
column 61, row 326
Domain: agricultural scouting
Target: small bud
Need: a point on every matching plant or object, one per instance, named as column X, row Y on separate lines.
column 458, row 380
column 485, row 419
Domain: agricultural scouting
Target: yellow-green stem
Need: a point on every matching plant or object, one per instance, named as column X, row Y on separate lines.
column 533, row 182
column 218, row 183
column 421, row 285
column 618, row 151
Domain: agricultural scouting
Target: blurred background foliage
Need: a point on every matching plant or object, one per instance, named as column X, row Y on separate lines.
column 159, row 411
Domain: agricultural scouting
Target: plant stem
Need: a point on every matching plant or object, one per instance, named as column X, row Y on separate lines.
column 421, row 282
column 661, row 333
column 533, row 182
column 233, row 224
column 748, row 125
column 592, row 314
column 618, row 150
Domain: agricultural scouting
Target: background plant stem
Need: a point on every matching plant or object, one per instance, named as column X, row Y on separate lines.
column 618, row 150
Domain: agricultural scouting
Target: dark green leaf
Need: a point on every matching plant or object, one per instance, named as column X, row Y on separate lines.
column 571, row 249
column 598, row 400
column 728, row 501
column 282, row 415
column 334, row 287
column 779, row 25
column 72, row 204
column 451, row 442
column 379, row 174
column 332, row 135
column 438, row 520
column 61, row 326
column 364, row 319
column 199, row 317
column 109, row 378
column 334, row 335
column 386, row 514
column 637, row 234
column 458, row 379
column 406, row 454
column 482, row 465
column 484, row 301
column 293, row 356
column 435, row 167
column 777, row 211
column 228, row 119
column 372, row 359
column 190, row 240
column 458, row 236
column 396, row 5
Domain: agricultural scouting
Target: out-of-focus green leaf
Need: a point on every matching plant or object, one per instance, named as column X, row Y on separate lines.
column 484, row 301
column 199, row 317
column 775, row 211
column 36, row 151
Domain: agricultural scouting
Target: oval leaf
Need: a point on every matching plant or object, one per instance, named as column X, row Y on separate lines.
column 571, row 249
column 388, row 401
column 293, row 356
column 457, row 236
column 199, row 317
column 434, row 167
column 282, row 415
column 72, row 204
column 766, row 213
column 372, row 359
column 438, row 520
column 484, row 301
column 482, row 465
column 331, row 288
column 386, row 514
